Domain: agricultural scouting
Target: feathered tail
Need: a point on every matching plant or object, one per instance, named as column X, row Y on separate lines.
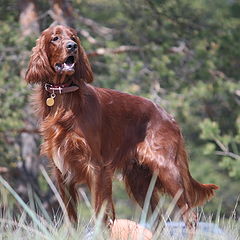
column 201, row 192
column 197, row 193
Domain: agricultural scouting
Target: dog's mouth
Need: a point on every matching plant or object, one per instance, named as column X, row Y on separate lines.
column 67, row 66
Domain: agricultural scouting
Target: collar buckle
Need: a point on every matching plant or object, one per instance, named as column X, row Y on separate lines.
column 47, row 86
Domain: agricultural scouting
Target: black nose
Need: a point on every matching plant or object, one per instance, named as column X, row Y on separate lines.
column 71, row 46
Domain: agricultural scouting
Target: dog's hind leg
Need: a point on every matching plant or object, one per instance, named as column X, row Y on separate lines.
column 163, row 159
column 137, row 180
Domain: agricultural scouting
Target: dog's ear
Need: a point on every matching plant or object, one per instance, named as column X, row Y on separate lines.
column 39, row 69
column 85, row 70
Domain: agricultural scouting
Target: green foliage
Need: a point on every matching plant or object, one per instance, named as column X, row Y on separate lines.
column 227, row 143
column 188, row 62
column 12, row 92
column 210, row 130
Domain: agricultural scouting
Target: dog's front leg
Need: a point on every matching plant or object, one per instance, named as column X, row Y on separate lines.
column 101, row 189
column 68, row 194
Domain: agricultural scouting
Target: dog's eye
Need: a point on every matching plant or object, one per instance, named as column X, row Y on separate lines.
column 73, row 38
column 55, row 39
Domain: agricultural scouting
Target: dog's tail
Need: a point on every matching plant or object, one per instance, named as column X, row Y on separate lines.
column 200, row 193
column 197, row 193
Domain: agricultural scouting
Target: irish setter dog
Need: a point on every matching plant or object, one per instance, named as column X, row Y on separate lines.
column 91, row 132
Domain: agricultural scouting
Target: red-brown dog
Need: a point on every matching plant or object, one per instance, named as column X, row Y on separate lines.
column 91, row 132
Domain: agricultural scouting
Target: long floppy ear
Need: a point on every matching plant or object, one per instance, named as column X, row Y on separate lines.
column 85, row 70
column 39, row 69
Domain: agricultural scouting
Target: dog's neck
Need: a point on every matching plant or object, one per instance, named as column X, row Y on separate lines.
column 61, row 84
column 61, row 88
column 57, row 95
column 60, row 79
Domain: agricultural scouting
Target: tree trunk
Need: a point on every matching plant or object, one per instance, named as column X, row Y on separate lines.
column 28, row 18
column 28, row 167
column 29, row 25
column 62, row 12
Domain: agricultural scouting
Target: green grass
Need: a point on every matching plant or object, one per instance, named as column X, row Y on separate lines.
column 33, row 222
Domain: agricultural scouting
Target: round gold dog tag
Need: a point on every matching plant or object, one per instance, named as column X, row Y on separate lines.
column 50, row 101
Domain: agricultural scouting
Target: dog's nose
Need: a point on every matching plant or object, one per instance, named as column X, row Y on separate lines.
column 71, row 46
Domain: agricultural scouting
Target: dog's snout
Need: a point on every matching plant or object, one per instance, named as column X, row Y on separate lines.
column 71, row 46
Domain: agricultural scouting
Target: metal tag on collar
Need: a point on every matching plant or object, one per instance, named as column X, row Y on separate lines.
column 50, row 101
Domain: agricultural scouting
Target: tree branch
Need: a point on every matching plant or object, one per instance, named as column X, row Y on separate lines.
column 87, row 35
column 225, row 151
column 228, row 154
column 96, row 27
column 108, row 51
column 221, row 145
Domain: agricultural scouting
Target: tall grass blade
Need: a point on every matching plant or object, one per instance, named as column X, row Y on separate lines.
column 146, row 205
column 156, row 213
column 42, row 209
column 57, row 195
column 55, row 191
column 26, row 208
column 23, row 226
column 99, row 223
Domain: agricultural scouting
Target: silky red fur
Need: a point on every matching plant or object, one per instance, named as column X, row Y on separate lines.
column 91, row 133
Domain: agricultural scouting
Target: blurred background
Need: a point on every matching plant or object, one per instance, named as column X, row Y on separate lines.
column 182, row 54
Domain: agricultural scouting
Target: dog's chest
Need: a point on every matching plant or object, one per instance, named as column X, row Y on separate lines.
column 68, row 150
column 58, row 159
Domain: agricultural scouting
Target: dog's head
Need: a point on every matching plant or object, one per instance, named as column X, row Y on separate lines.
column 58, row 52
